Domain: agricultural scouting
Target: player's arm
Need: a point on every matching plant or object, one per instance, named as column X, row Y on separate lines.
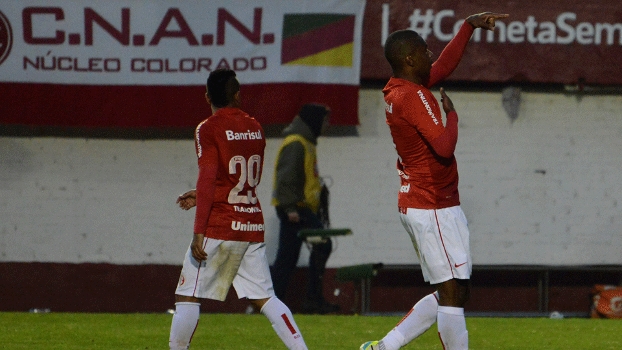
column 450, row 56
column 445, row 144
column 205, row 192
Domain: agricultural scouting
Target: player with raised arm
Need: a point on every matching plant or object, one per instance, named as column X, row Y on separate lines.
column 228, row 243
column 428, row 199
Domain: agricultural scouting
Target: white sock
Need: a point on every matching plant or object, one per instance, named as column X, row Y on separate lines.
column 185, row 321
column 452, row 328
column 418, row 320
column 283, row 323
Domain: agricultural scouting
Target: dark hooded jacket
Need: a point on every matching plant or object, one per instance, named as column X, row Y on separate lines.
column 289, row 181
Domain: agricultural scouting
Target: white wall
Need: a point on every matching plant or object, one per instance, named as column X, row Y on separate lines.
column 89, row 200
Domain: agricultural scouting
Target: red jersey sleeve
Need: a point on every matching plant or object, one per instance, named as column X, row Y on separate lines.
column 427, row 119
column 445, row 144
column 424, row 114
column 450, row 57
column 207, row 154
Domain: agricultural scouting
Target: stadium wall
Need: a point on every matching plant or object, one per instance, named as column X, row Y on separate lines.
column 98, row 217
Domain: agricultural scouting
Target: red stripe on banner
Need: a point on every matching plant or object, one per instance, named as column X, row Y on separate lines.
column 318, row 40
column 279, row 103
column 102, row 106
column 162, row 106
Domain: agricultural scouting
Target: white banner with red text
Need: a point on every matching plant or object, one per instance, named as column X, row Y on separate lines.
column 123, row 63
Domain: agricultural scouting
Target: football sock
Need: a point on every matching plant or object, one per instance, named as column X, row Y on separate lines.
column 452, row 328
column 418, row 320
column 283, row 323
column 185, row 321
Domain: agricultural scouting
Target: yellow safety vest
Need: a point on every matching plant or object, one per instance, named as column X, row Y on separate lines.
column 313, row 186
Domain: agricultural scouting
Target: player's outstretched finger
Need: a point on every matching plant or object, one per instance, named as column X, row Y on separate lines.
column 500, row 15
column 490, row 21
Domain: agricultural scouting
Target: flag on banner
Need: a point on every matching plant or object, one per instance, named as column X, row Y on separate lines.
column 318, row 40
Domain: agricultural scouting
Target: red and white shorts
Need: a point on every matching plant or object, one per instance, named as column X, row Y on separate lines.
column 441, row 240
column 243, row 264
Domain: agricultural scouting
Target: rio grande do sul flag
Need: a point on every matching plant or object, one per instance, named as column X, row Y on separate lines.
column 124, row 63
column 318, row 40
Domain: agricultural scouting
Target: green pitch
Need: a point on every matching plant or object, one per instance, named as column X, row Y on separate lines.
column 236, row 331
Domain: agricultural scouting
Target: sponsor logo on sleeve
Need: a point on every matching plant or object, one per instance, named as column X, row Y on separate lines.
column 197, row 139
column 427, row 107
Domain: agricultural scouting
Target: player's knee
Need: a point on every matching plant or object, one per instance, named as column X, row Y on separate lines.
column 186, row 299
column 463, row 291
column 454, row 292
column 258, row 303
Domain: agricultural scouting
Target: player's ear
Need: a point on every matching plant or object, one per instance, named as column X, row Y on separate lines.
column 209, row 102
column 236, row 98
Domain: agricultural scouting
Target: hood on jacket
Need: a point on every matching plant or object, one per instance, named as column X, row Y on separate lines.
column 308, row 122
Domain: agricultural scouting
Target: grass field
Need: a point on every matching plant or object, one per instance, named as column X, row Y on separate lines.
column 237, row 331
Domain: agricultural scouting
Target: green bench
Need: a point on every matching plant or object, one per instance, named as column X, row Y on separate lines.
column 361, row 275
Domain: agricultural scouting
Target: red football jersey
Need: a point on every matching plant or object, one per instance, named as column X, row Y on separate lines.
column 428, row 181
column 232, row 143
column 414, row 117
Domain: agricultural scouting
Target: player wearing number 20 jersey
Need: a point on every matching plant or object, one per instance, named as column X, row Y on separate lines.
column 230, row 149
column 227, row 247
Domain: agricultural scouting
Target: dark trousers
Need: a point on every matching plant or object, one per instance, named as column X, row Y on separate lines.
column 289, row 251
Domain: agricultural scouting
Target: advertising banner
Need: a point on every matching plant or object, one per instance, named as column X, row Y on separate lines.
column 562, row 41
column 145, row 63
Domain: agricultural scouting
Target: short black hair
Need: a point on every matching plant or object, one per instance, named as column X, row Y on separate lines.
column 222, row 85
column 399, row 45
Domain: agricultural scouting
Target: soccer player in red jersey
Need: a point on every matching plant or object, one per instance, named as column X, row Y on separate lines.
column 428, row 199
column 228, row 243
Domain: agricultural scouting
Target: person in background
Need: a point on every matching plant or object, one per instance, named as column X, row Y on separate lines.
column 296, row 196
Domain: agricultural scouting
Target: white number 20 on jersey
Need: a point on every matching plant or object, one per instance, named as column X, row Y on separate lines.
column 250, row 172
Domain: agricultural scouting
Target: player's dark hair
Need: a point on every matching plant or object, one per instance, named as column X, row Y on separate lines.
column 399, row 45
column 222, row 87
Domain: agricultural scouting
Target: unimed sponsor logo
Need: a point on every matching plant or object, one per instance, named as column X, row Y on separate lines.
column 6, row 37
column 248, row 226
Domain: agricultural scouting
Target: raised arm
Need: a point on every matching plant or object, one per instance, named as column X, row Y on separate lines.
column 450, row 57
